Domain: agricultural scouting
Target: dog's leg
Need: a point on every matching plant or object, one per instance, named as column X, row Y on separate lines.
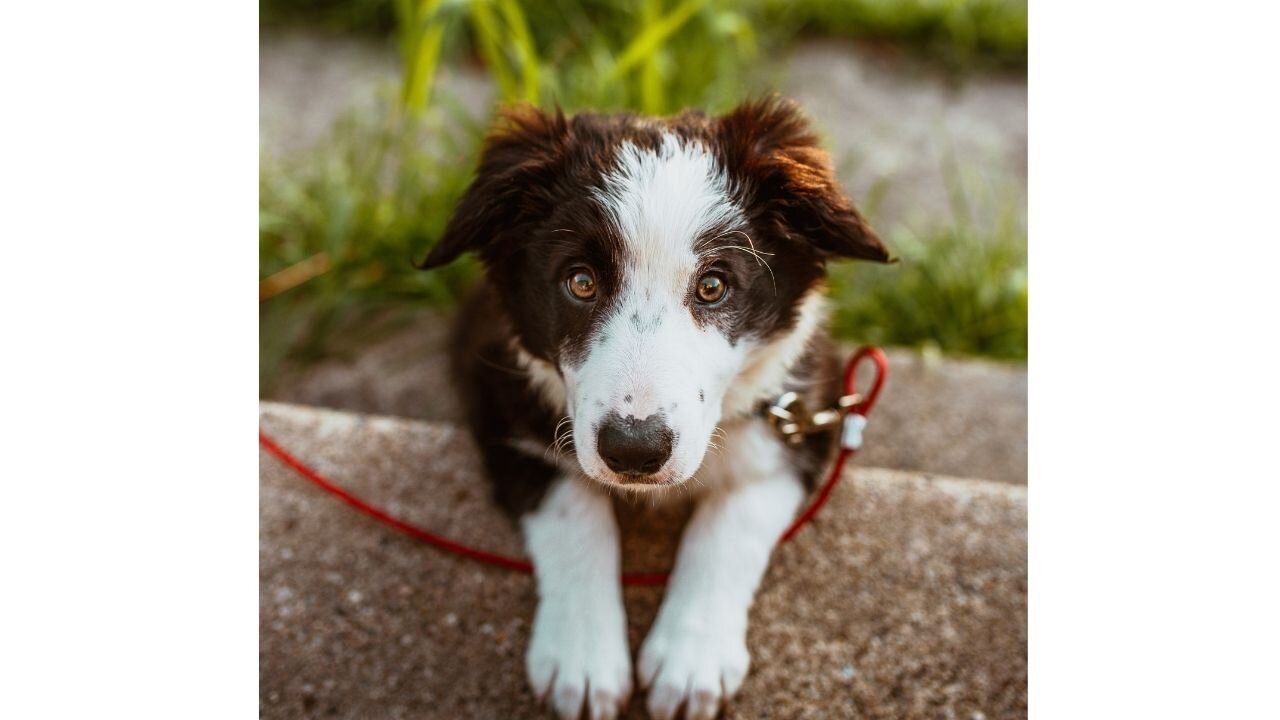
column 696, row 652
column 579, row 647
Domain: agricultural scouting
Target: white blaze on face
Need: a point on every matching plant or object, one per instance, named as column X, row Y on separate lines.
column 650, row 356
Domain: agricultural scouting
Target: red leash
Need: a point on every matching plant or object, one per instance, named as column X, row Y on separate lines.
column 851, row 432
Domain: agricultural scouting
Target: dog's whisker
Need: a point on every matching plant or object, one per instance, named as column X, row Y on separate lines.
column 726, row 233
column 562, row 439
column 560, row 447
column 750, row 251
column 500, row 368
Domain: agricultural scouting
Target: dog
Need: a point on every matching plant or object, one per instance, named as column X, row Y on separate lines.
column 651, row 285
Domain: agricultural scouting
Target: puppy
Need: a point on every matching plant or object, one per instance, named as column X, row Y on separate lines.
column 652, row 284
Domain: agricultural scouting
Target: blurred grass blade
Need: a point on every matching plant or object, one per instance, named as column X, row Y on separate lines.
column 525, row 48
column 425, row 39
column 651, row 95
column 490, row 40
column 654, row 34
column 293, row 276
column 405, row 28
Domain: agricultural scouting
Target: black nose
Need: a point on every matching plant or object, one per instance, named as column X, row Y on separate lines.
column 634, row 447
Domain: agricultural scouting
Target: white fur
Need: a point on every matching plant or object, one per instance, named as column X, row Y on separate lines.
column 543, row 376
column 661, row 202
column 696, row 652
column 578, row 652
column 768, row 366
column 654, row 358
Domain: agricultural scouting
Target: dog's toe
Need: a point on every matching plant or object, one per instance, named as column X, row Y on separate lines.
column 567, row 699
column 578, row 662
column 695, row 670
column 703, row 704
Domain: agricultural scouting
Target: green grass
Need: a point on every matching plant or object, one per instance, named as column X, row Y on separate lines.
column 341, row 224
column 952, row 291
column 959, row 33
column 656, row 56
column 964, row 32
column 347, row 220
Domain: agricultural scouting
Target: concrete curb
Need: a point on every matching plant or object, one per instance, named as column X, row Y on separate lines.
column 907, row 598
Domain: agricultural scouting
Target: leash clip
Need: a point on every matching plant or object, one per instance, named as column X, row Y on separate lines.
column 792, row 420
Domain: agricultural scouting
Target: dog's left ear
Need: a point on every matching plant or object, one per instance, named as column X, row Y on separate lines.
column 771, row 142
column 519, row 153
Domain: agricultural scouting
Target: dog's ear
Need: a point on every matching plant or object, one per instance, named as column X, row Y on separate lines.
column 771, row 143
column 519, row 152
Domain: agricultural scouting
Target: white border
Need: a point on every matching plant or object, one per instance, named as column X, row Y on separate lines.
column 1155, row 485
column 127, row 221
column 128, row 230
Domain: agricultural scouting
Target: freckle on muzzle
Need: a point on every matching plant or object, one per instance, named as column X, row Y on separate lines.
column 634, row 448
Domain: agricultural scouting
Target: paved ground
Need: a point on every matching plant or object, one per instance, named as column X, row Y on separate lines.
column 306, row 81
column 907, row 599
column 916, row 136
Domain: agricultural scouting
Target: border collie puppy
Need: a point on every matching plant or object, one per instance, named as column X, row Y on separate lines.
column 652, row 284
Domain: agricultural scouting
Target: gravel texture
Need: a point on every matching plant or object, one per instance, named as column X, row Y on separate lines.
column 307, row 81
column 915, row 136
column 906, row 599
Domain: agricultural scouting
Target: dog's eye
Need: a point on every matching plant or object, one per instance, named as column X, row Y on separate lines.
column 582, row 284
column 711, row 288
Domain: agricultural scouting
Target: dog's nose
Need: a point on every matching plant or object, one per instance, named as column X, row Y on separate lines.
column 634, row 447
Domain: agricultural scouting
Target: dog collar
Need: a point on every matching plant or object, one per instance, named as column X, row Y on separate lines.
column 792, row 421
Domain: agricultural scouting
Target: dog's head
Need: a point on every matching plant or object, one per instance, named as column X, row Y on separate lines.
column 660, row 273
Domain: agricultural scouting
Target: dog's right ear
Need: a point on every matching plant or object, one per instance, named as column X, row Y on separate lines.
column 519, row 154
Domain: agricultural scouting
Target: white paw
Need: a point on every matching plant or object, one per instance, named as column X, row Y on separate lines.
column 698, row 664
column 579, row 654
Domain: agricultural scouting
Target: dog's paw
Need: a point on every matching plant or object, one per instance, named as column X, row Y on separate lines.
column 578, row 654
column 699, row 665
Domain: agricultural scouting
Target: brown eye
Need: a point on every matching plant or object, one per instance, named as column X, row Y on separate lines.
column 582, row 284
column 711, row 288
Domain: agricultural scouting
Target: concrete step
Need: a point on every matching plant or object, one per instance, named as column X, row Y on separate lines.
column 966, row 418
column 905, row 599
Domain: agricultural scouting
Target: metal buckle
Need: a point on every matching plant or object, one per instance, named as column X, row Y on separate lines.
column 792, row 421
